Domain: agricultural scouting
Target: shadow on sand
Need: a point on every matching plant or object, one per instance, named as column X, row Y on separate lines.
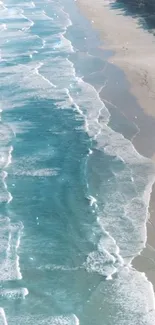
column 143, row 9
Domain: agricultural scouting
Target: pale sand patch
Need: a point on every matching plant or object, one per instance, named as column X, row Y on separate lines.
column 134, row 48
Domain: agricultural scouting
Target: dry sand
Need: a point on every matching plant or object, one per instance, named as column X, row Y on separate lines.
column 134, row 52
column 134, row 47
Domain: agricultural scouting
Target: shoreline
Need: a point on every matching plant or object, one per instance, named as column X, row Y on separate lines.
column 133, row 49
column 128, row 47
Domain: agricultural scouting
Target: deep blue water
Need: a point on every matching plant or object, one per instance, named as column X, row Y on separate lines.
column 74, row 193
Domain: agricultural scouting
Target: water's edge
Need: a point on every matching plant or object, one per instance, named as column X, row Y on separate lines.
column 110, row 252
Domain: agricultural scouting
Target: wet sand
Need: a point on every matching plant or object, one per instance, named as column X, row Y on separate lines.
column 130, row 92
column 133, row 46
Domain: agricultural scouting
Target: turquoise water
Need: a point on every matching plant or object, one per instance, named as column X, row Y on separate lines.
column 74, row 193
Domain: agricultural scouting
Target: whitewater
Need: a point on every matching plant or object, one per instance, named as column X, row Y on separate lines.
column 74, row 193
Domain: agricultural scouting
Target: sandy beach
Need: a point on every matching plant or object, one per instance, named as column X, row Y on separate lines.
column 134, row 47
column 133, row 52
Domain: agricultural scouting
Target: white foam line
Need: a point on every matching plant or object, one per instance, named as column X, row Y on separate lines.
column 68, row 16
column 80, row 80
column 44, row 43
column 27, row 28
column 9, row 242
column 2, row 312
column 117, row 251
column 15, row 247
column 63, row 39
column 19, row 275
column 18, row 240
column 5, row 174
column 30, row 54
column 96, row 119
column 77, row 107
column 33, row 4
column 39, row 74
column 25, row 292
column 10, row 198
column 31, row 25
column 30, row 21
column 9, row 157
column 45, row 14
column 146, row 199
column 93, row 201
column 77, row 322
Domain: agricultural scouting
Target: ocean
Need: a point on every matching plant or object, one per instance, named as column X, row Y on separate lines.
column 74, row 193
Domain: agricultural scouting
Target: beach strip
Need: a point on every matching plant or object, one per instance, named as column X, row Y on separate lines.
column 134, row 52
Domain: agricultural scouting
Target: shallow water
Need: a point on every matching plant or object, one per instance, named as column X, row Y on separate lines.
column 74, row 193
